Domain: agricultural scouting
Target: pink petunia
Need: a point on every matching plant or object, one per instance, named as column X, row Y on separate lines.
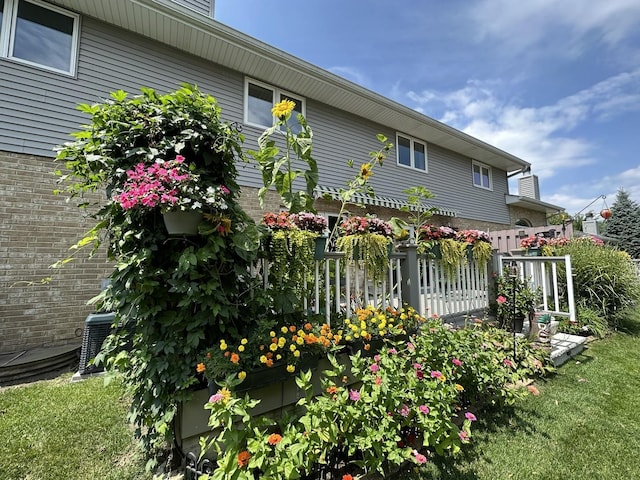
column 423, row 409
column 436, row 374
column 470, row 416
column 456, row 362
column 404, row 410
column 464, row 436
column 374, row 367
column 419, row 458
column 354, row 395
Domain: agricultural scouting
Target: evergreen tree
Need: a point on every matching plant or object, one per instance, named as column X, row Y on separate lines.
column 624, row 224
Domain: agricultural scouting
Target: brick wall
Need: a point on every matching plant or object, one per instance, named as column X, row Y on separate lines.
column 36, row 229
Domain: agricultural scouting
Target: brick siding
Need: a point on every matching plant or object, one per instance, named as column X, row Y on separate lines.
column 36, row 229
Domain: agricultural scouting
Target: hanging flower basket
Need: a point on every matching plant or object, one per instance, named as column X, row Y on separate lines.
column 182, row 222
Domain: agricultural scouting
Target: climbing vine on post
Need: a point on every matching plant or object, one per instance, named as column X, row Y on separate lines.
column 172, row 296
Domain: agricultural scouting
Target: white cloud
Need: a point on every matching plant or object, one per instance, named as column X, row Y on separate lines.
column 524, row 24
column 542, row 135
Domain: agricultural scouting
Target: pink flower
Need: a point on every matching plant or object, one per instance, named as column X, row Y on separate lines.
column 378, row 380
column 507, row 362
column 417, row 366
column 216, row 398
column 393, row 351
column 436, row 374
column 404, row 410
column 411, row 347
column 501, row 299
column 456, row 362
column 419, row 458
column 470, row 416
column 374, row 367
column 423, row 409
column 354, row 395
column 464, row 436
column 376, row 358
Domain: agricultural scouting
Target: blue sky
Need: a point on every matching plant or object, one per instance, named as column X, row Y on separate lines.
column 556, row 83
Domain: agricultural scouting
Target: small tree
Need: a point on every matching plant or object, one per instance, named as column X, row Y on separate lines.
column 624, row 224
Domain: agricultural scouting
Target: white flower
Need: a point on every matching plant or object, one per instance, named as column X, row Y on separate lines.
column 196, row 205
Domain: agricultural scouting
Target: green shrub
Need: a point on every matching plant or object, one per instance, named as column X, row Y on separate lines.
column 604, row 278
column 588, row 322
column 413, row 400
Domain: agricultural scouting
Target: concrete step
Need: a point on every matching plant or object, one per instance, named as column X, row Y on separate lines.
column 565, row 346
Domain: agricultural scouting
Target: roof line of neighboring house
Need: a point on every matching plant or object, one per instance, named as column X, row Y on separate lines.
column 178, row 26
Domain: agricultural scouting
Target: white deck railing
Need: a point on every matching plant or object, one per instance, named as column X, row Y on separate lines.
column 543, row 272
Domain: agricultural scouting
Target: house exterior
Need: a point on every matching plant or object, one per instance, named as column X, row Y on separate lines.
column 56, row 54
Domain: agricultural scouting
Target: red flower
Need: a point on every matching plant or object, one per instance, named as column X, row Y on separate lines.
column 347, row 477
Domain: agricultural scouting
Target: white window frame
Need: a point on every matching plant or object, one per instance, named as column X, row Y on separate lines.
column 482, row 167
column 277, row 93
column 412, row 143
column 8, row 30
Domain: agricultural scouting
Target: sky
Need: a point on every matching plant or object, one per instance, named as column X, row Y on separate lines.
column 554, row 82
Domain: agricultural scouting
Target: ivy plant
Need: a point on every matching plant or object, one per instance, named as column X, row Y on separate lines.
column 172, row 296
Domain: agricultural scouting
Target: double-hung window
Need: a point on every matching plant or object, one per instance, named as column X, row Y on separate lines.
column 39, row 34
column 481, row 175
column 260, row 99
column 411, row 152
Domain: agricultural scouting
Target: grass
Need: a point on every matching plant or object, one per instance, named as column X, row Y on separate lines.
column 60, row 430
column 584, row 425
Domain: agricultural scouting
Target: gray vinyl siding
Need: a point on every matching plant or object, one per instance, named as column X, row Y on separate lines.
column 37, row 112
column 204, row 7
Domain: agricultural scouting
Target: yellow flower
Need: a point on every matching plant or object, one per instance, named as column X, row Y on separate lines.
column 300, row 341
column 365, row 170
column 278, row 357
column 283, row 108
column 292, row 347
column 226, row 394
column 244, row 341
column 272, row 334
column 263, row 359
column 241, row 348
column 223, row 345
column 296, row 353
column 284, row 329
column 242, row 375
column 459, row 387
column 282, row 342
column 291, row 368
column 273, row 347
column 442, row 378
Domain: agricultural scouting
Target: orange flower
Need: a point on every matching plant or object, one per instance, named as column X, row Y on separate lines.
column 292, row 328
column 274, row 439
column 367, row 346
column 235, row 358
column 332, row 389
column 347, row 477
column 243, row 458
column 200, row 368
column 308, row 326
column 227, row 353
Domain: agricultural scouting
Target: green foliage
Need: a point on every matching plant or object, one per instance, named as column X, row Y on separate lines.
column 526, row 298
column 375, row 417
column 172, row 296
column 604, row 278
column 624, row 224
column 419, row 214
column 588, row 322
column 278, row 170
column 370, row 248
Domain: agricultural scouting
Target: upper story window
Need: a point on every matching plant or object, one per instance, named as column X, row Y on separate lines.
column 411, row 152
column 482, row 175
column 260, row 99
column 39, row 34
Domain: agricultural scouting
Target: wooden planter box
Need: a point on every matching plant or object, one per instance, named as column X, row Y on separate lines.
column 192, row 419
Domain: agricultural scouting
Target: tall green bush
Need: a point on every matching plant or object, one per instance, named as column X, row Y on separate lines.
column 173, row 296
column 604, row 277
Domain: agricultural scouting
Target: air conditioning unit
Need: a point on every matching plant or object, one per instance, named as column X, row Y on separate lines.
column 97, row 327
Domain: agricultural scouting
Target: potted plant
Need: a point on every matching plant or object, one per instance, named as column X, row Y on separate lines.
column 478, row 245
column 172, row 186
column 442, row 243
column 516, row 301
column 292, row 251
column 533, row 245
column 367, row 239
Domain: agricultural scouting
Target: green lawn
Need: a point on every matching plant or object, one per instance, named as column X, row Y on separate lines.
column 60, row 430
column 584, row 425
